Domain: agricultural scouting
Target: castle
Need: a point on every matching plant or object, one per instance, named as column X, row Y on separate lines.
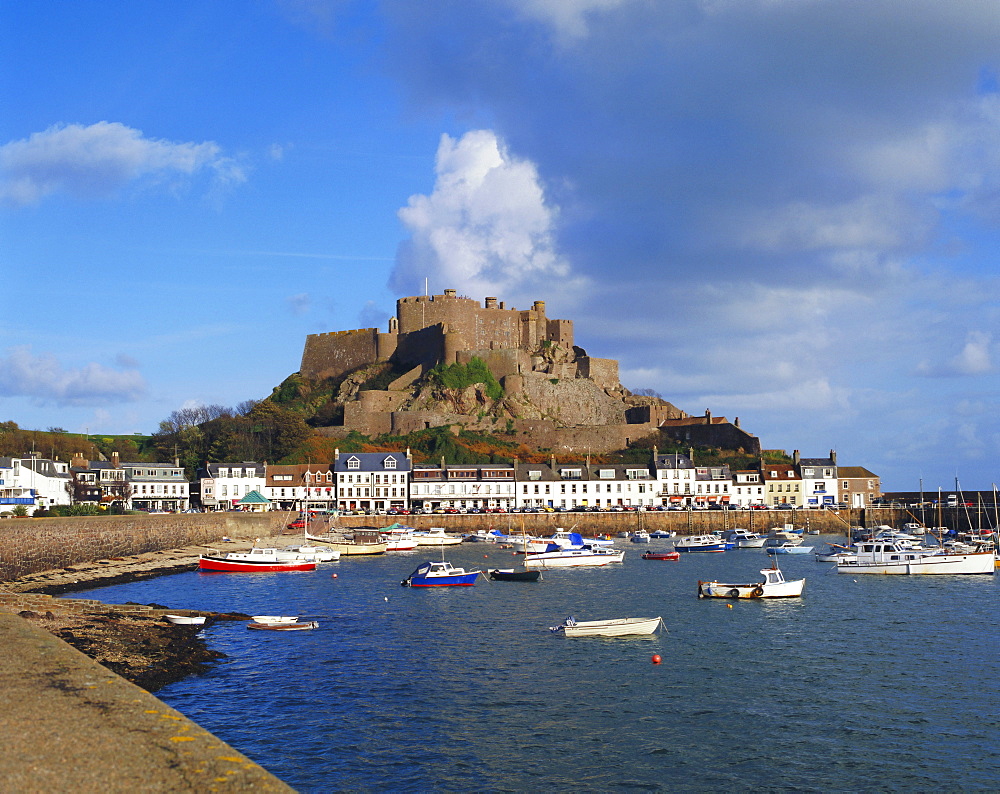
column 555, row 395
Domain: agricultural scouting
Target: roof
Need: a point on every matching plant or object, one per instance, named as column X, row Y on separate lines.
column 254, row 498
column 855, row 472
column 371, row 461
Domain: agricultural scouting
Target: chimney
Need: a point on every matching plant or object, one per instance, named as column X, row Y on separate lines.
column 708, row 417
column 449, row 293
column 737, row 422
column 654, row 454
column 115, row 463
column 491, row 303
column 795, row 457
column 833, row 456
column 552, row 462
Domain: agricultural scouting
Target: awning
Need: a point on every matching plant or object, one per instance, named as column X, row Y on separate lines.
column 676, row 498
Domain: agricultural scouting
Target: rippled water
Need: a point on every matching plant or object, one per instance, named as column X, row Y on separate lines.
column 866, row 683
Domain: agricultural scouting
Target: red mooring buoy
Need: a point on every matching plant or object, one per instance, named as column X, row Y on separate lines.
column 333, row 576
column 656, row 658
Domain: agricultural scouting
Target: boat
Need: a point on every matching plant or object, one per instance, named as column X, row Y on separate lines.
column 312, row 624
column 398, row 537
column 560, row 539
column 255, row 560
column 349, row 544
column 275, row 619
column 744, row 539
column 782, row 537
column 700, row 543
column 662, row 534
column 834, row 553
column 666, row 556
column 788, row 547
column 618, row 627
column 573, row 558
column 512, row 575
column 639, row 537
column 887, row 557
column 435, row 536
column 186, row 620
column 309, row 553
column 774, row 586
column 440, row 574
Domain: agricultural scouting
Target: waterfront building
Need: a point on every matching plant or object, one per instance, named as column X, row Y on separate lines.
column 675, row 477
column 748, row 488
column 157, row 487
column 819, row 479
column 301, row 486
column 711, row 486
column 857, row 487
column 782, row 483
column 33, row 483
column 483, row 486
column 569, row 486
column 222, row 485
column 372, row 481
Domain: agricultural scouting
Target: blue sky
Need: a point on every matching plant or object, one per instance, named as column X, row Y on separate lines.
column 781, row 210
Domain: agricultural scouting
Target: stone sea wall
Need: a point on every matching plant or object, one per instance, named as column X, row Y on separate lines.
column 29, row 545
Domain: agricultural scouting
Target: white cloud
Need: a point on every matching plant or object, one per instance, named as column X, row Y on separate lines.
column 299, row 304
column 975, row 358
column 98, row 160
column 486, row 229
column 43, row 379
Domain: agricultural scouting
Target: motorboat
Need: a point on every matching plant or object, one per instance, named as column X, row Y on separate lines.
column 435, row 536
column 788, row 547
column 560, row 539
column 887, row 557
column 774, row 586
column 440, row 574
column 781, row 537
column 744, row 539
column 639, row 537
column 512, row 575
column 617, row 627
column 398, row 538
column 662, row 534
column 255, row 560
column 835, row 552
column 185, row 620
column 573, row 558
column 666, row 556
column 700, row 543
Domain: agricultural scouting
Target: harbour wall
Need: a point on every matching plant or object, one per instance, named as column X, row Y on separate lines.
column 30, row 545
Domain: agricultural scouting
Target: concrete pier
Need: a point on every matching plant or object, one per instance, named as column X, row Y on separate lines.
column 69, row 724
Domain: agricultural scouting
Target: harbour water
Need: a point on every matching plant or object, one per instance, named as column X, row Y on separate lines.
column 885, row 683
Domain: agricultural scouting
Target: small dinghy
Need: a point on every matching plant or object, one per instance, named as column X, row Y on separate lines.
column 275, row 619
column 666, row 556
column 617, row 627
column 186, row 620
column 511, row 575
column 293, row 626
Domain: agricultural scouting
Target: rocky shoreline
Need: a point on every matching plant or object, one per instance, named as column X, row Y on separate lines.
column 132, row 640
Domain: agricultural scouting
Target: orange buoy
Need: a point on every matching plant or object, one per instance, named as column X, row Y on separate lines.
column 656, row 658
column 729, row 605
column 334, row 576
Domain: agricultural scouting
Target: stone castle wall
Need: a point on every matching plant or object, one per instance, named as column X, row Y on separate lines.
column 332, row 354
column 603, row 371
column 717, row 434
column 576, row 401
column 501, row 362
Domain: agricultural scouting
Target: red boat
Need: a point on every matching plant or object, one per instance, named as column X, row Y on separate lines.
column 662, row 555
column 255, row 560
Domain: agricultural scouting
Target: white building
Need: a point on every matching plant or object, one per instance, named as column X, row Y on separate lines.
column 224, row 484
column 33, row 483
column 572, row 485
column 748, row 489
column 302, row 486
column 675, row 478
column 374, row 482
column 157, row 487
column 819, row 479
column 486, row 486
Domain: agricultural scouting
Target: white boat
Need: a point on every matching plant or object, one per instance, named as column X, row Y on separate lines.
column 662, row 534
column 305, row 626
column 744, row 538
column 774, row 586
column 639, row 537
column 788, row 547
column 308, row 553
column 618, row 627
column 573, row 558
column 186, row 620
column 781, row 537
column 700, row 543
column 560, row 539
column 275, row 619
column 351, row 543
column 892, row 558
column 834, row 553
column 435, row 536
column 398, row 538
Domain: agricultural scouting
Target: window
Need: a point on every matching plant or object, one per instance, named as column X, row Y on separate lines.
column 389, row 463
column 353, row 463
